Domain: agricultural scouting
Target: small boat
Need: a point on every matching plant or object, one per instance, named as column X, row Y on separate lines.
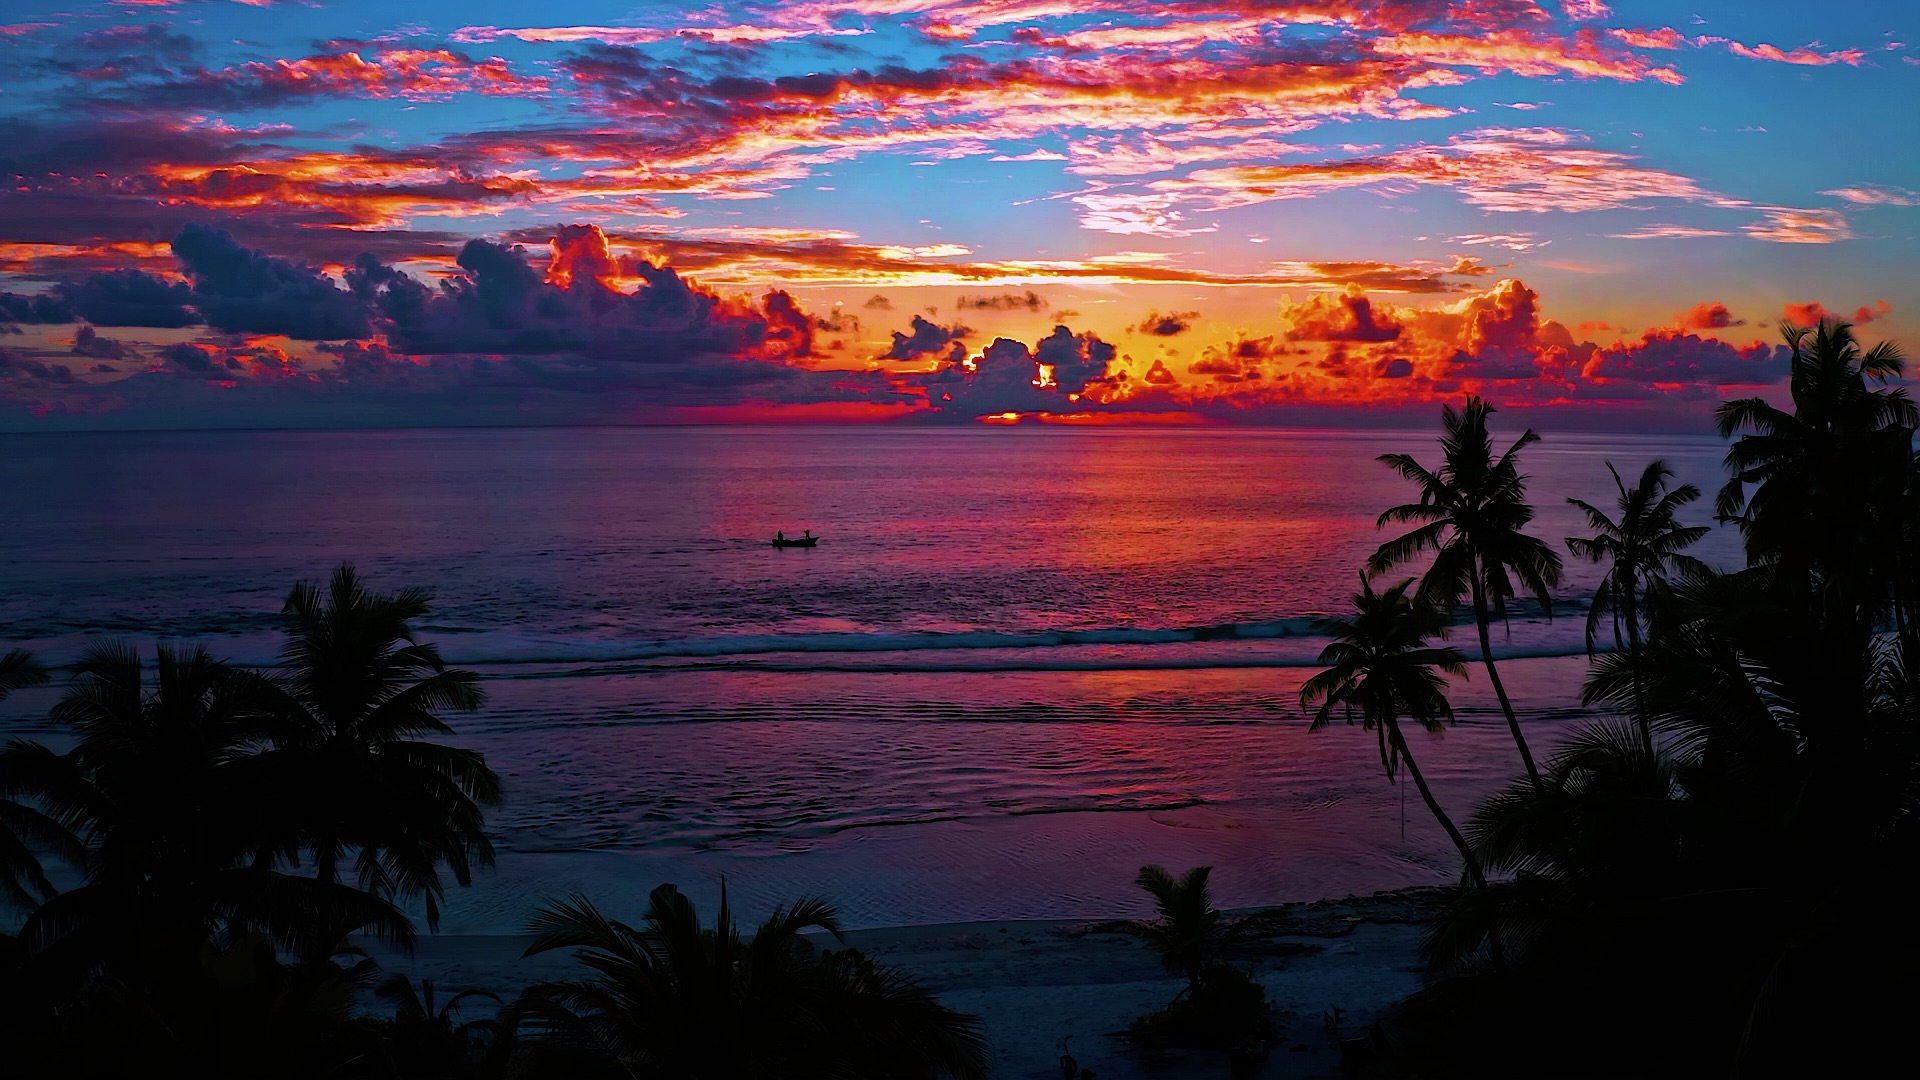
column 795, row 541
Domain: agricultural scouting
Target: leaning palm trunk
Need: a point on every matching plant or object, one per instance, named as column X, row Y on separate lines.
column 1467, row 856
column 1641, row 718
column 1480, row 621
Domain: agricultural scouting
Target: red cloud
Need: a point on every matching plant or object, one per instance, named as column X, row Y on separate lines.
column 502, row 334
column 1672, row 357
column 581, row 251
column 1505, row 320
column 1348, row 317
column 1813, row 313
column 1707, row 316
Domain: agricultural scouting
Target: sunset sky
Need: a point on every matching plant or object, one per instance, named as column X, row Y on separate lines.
column 347, row 213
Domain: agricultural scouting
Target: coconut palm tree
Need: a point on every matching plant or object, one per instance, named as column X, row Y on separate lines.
column 1713, row 876
column 23, row 827
column 358, row 694
column 1188, row 931
column 426, row 1036
column 19, row 670
column 1382, row 668
column 674, row 1000
column 1823, row 488
column 1643, row 546
column 1470, row 515
column 163, row 789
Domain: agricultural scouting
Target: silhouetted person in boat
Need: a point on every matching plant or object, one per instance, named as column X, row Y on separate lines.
column 779, row 536
column 808, row 536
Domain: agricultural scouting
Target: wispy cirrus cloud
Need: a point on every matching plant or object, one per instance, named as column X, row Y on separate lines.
column 1876, row 195
column 1667, row 37
column 1498, row 169
column 1669, row 232
column 1792, row 225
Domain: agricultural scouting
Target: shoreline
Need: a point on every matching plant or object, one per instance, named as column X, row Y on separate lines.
column 1034, row 982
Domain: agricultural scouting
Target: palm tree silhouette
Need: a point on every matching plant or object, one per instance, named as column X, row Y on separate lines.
column 425, row 1037
column 1381, row 668
column 1471, row 513
column 24, row 827
column 358, row 693
column 1643, row 546
column 675, row 1000
column 19, row 670
column 1830, row 480
column 164, row 788
column 1187, row 933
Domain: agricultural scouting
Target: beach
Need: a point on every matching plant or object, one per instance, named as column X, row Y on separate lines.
column 967, row 719
column 1035, row 982
column 979, row 698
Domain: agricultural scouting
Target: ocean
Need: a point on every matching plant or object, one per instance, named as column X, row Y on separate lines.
column 1020, row 664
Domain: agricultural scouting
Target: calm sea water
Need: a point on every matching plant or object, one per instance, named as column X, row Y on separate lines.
column 1020, row 663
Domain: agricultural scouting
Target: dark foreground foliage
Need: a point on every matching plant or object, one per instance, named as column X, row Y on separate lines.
column 1714, row 884
column 673, row 999
column 226, row 830
column 1221, row 1007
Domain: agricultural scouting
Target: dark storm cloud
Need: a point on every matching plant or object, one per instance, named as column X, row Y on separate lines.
column 1010, row 377
column 128, row 298
column 241, row 290
column 1167, row 325
column 17, row 368
column 1074, row 359
column 39, row 308
column 1669, row 356
column 927, row 338
column 88, row 342
column 504, row 305
column 1028, row 301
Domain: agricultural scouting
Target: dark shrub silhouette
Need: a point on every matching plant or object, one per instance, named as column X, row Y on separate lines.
column 675, row 1000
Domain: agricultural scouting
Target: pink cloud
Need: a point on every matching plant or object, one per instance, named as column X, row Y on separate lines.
column 1813, row 313
column 1708, row 316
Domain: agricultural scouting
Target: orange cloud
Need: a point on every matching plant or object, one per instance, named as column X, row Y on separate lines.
column 1813, row 312
column 1708, row 316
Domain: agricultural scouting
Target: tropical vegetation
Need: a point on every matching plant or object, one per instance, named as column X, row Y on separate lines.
column 1470, row 518
column 1221, row 1007
column 189, row 863
column 676, row 1000
column 1710, row 878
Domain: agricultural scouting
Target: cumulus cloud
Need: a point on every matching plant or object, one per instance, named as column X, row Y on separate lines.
column 1028, row 301
column 1347, row 317
column 1673, row 357
column 34, row 308
column 129, row 298
column 927, row 338
column 88, row 342
column 1708, row 316
column 1334, row 349
column 1068, row 362
column 503, row 304
column 241, row 290
column 18, row 368
column 1168, row 324
column 1813, row 312
column 877, row 302
column 1008, row 376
